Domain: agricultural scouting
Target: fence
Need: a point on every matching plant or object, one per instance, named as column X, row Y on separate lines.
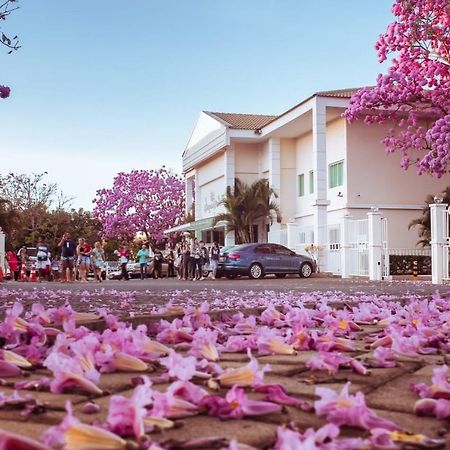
column 358, row 247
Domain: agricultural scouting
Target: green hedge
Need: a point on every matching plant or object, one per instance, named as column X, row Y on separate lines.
column 403, row 265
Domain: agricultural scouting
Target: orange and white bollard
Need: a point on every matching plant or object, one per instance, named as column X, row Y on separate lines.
column 23, row 273
column 33, row 276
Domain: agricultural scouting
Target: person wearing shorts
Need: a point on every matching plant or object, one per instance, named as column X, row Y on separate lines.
column 84, row 259
column 68, row 249
column 98, row 255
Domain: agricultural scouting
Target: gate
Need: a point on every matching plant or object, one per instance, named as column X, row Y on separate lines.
column 358, row 247
column 446, row 246
column 385, row 268
column 333, row 257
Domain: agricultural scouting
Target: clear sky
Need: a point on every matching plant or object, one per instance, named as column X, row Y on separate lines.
column 107, row 86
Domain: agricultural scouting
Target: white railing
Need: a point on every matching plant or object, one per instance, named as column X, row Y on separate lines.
column 409, row 251
column 358, row 243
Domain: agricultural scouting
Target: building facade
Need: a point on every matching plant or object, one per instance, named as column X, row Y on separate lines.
column 322, row 168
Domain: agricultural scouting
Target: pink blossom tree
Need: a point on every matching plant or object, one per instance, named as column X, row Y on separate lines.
column 142, row 201
column 416, row 89
column 6, row 8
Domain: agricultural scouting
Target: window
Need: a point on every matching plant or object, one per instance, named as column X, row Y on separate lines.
column 311, row 182
column 263, row 249
column 301, row 185
column 336, row 174
column 280, row 250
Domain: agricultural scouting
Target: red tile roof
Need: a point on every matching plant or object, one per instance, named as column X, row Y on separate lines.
column 340, row 93
column 243, row 121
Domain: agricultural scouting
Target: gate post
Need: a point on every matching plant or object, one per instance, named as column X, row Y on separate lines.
column 438, row 231
column 375, row 244
column 345, row 246
column 2, row 250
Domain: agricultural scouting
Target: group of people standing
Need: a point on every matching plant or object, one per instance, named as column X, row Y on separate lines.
column 191, row 258
column 73, row 259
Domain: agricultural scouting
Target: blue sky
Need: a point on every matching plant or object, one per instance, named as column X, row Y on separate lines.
column 107, row 86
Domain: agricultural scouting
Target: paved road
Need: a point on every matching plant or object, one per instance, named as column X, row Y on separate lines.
column 294, row 283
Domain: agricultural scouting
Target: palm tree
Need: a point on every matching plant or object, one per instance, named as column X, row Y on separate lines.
column 424, row 221
column 246, row 204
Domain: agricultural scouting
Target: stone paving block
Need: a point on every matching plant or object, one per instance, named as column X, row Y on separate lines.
column 29, row 429
column 250, row 432
column 415, row 424
column 295, row 386
column 396, row 394
column 53, row 401
column 48, row 417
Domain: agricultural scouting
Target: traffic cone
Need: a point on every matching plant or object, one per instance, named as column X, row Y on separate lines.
column 33, row 276
column 1, row 275
column 23, row 273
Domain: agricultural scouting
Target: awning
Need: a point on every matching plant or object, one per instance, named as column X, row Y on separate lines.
column 198, row 225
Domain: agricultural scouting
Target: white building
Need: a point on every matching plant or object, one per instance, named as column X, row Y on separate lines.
column 323, row 169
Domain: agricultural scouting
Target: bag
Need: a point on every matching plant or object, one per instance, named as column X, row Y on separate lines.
column 177, row 262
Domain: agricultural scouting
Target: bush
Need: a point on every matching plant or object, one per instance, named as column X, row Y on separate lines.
column 403, row 265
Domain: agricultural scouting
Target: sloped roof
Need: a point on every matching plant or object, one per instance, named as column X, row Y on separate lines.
column 243, row 121
column 340, row 93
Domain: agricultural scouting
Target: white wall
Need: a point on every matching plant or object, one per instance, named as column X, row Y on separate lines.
column 336, row 151
column 304, row 163
column 211, row 186
column 288, row 188
column 246, row 161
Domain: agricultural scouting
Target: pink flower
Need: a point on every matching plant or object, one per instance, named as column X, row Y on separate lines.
column 171, row 406
column 126, row 415
column 330, row 361
column 440, row 387
column 384, row 357
column 14, row 441
column 236, row 405
column 204, row 344
column 277, row 394
column 350, row 410
column 182, row 368
column 4, row 91
column 311, row 440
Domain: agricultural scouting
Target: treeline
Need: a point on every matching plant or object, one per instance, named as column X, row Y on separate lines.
column 30, row 208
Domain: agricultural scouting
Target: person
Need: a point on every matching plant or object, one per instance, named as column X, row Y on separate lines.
column 178, row 263
column 98, row 256
column 157, row 263
column 171, row 263
column 84, row 259
column 195, row 260
column 23, row 259
column 56, row 268
column 43, row 261
column 68, row 249
column 143, row 256
column 187, row 264
column 204, row 259
column 124, row 256
column 215, row 253
column 13, row 262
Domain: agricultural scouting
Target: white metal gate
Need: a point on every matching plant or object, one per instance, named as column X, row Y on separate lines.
column 358, row 247
column 385, row 269
column 334, row 249
column 446, row 247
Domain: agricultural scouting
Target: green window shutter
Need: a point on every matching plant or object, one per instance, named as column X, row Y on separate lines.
column 301, row 185
column 311, row 182
column 336, row 174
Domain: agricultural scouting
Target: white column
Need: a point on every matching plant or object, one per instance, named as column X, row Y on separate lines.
column 292, row 235
column 230, row 171
column 275, row 184
column 375, row 244
column 189, row 193
column 2, row 250
column 438, row 233
column 345, row 246
column 319, row 123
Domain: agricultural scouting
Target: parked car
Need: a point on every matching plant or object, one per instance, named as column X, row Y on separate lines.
column 258, row 260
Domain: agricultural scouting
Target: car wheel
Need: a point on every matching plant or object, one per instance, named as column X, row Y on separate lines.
column 255, row 271
column 305, row 270
column 280, row 275
column 231, row 276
